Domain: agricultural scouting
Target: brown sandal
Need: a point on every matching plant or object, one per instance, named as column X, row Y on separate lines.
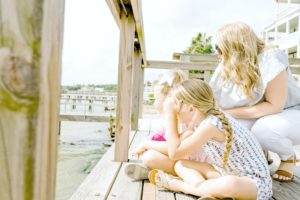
column 165, row 178
column 285, row 173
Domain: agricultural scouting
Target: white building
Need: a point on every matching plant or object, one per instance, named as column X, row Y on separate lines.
column 284, row 30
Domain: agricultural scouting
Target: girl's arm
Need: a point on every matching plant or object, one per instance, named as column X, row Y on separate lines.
column 186, row 134
column 178, row 149
column 275, row 98
column 160, row 146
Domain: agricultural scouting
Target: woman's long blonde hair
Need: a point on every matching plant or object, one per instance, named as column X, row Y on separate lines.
column 199, row 94
column 239, row 47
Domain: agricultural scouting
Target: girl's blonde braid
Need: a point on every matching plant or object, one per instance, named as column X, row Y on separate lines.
column 228, row 133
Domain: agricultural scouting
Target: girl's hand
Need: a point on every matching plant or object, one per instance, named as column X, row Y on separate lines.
column 139, row 150
column 170, row 106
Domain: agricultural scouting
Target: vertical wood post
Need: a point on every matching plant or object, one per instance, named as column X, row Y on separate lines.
column 137, row 64
column 123, row 119
column 207, row 76
column 30, row 65
column 141, row 91
column 185, row 59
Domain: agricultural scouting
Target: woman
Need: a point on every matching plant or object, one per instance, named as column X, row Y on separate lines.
column 254, row 84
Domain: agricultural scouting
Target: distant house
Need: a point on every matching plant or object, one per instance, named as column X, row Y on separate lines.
column 284, row 30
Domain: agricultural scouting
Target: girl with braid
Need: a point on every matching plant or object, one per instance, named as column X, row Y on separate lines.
column 236, row 167
column 153, row 153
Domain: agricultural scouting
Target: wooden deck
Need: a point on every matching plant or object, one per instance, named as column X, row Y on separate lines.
column 108, row 180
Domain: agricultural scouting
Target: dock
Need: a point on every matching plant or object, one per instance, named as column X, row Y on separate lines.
column 108, row 180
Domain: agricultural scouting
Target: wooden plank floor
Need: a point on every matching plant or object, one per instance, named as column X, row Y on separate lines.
column 108, row 180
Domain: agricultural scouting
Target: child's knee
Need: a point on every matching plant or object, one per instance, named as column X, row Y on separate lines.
column 180, row 164
column 149, row 158
column 230, row 182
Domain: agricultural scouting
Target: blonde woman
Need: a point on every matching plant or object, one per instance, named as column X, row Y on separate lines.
column 253, row 83
column 236, row 166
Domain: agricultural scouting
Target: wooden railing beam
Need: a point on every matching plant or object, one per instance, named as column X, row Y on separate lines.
column 138, row 17
column 114, row 6
column 181, row 65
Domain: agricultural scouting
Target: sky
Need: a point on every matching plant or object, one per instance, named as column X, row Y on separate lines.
column 91, row 36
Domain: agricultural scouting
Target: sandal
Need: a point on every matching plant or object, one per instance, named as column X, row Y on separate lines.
column 165, row 178
column 283, row 173
column 136, row 171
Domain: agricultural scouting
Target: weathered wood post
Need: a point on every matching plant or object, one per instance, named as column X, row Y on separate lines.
column 135, row 107
column 30, row 60
column 123, row 119
column 141, row 93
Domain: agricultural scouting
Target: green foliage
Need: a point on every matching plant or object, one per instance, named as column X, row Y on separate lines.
column 109, row 87
column 106, row 87
column 72, row 87
column 201, row 44
column 148, row 83
column 151, row 98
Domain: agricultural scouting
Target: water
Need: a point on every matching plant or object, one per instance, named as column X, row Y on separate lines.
column 81, row 145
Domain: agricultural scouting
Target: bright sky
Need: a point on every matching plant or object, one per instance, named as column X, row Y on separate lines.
column 91, row 38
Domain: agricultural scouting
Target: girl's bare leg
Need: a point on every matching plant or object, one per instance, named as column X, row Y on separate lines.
column 195, row 172
column 156, row 160
column 225, row 186
column 194, row 175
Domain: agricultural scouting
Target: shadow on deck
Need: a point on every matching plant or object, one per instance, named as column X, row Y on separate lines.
column 108, row 180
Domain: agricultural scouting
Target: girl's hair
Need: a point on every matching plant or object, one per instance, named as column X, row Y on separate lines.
column 239, row 46
column 171, row 81
column 199, row 94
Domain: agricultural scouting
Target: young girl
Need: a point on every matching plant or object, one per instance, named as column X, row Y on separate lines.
column 236, row 166
column 153, row 153
column 161, row 91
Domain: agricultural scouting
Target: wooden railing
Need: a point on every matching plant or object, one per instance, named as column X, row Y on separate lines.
column 205, row 63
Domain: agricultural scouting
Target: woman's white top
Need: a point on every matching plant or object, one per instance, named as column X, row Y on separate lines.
column 271, row 63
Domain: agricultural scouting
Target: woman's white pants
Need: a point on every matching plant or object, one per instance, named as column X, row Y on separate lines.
column 277, row 133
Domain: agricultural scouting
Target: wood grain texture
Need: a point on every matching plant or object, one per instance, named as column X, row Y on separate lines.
column 123, row 120
column 148, row 191
column 164, row 194
column 141, row 91
column 99, row 182
column 30, row 65
column 124, row 187
column 205, row 65
column 135, row 99
column 114, row 6
column 136, row 6
column 180, row 196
